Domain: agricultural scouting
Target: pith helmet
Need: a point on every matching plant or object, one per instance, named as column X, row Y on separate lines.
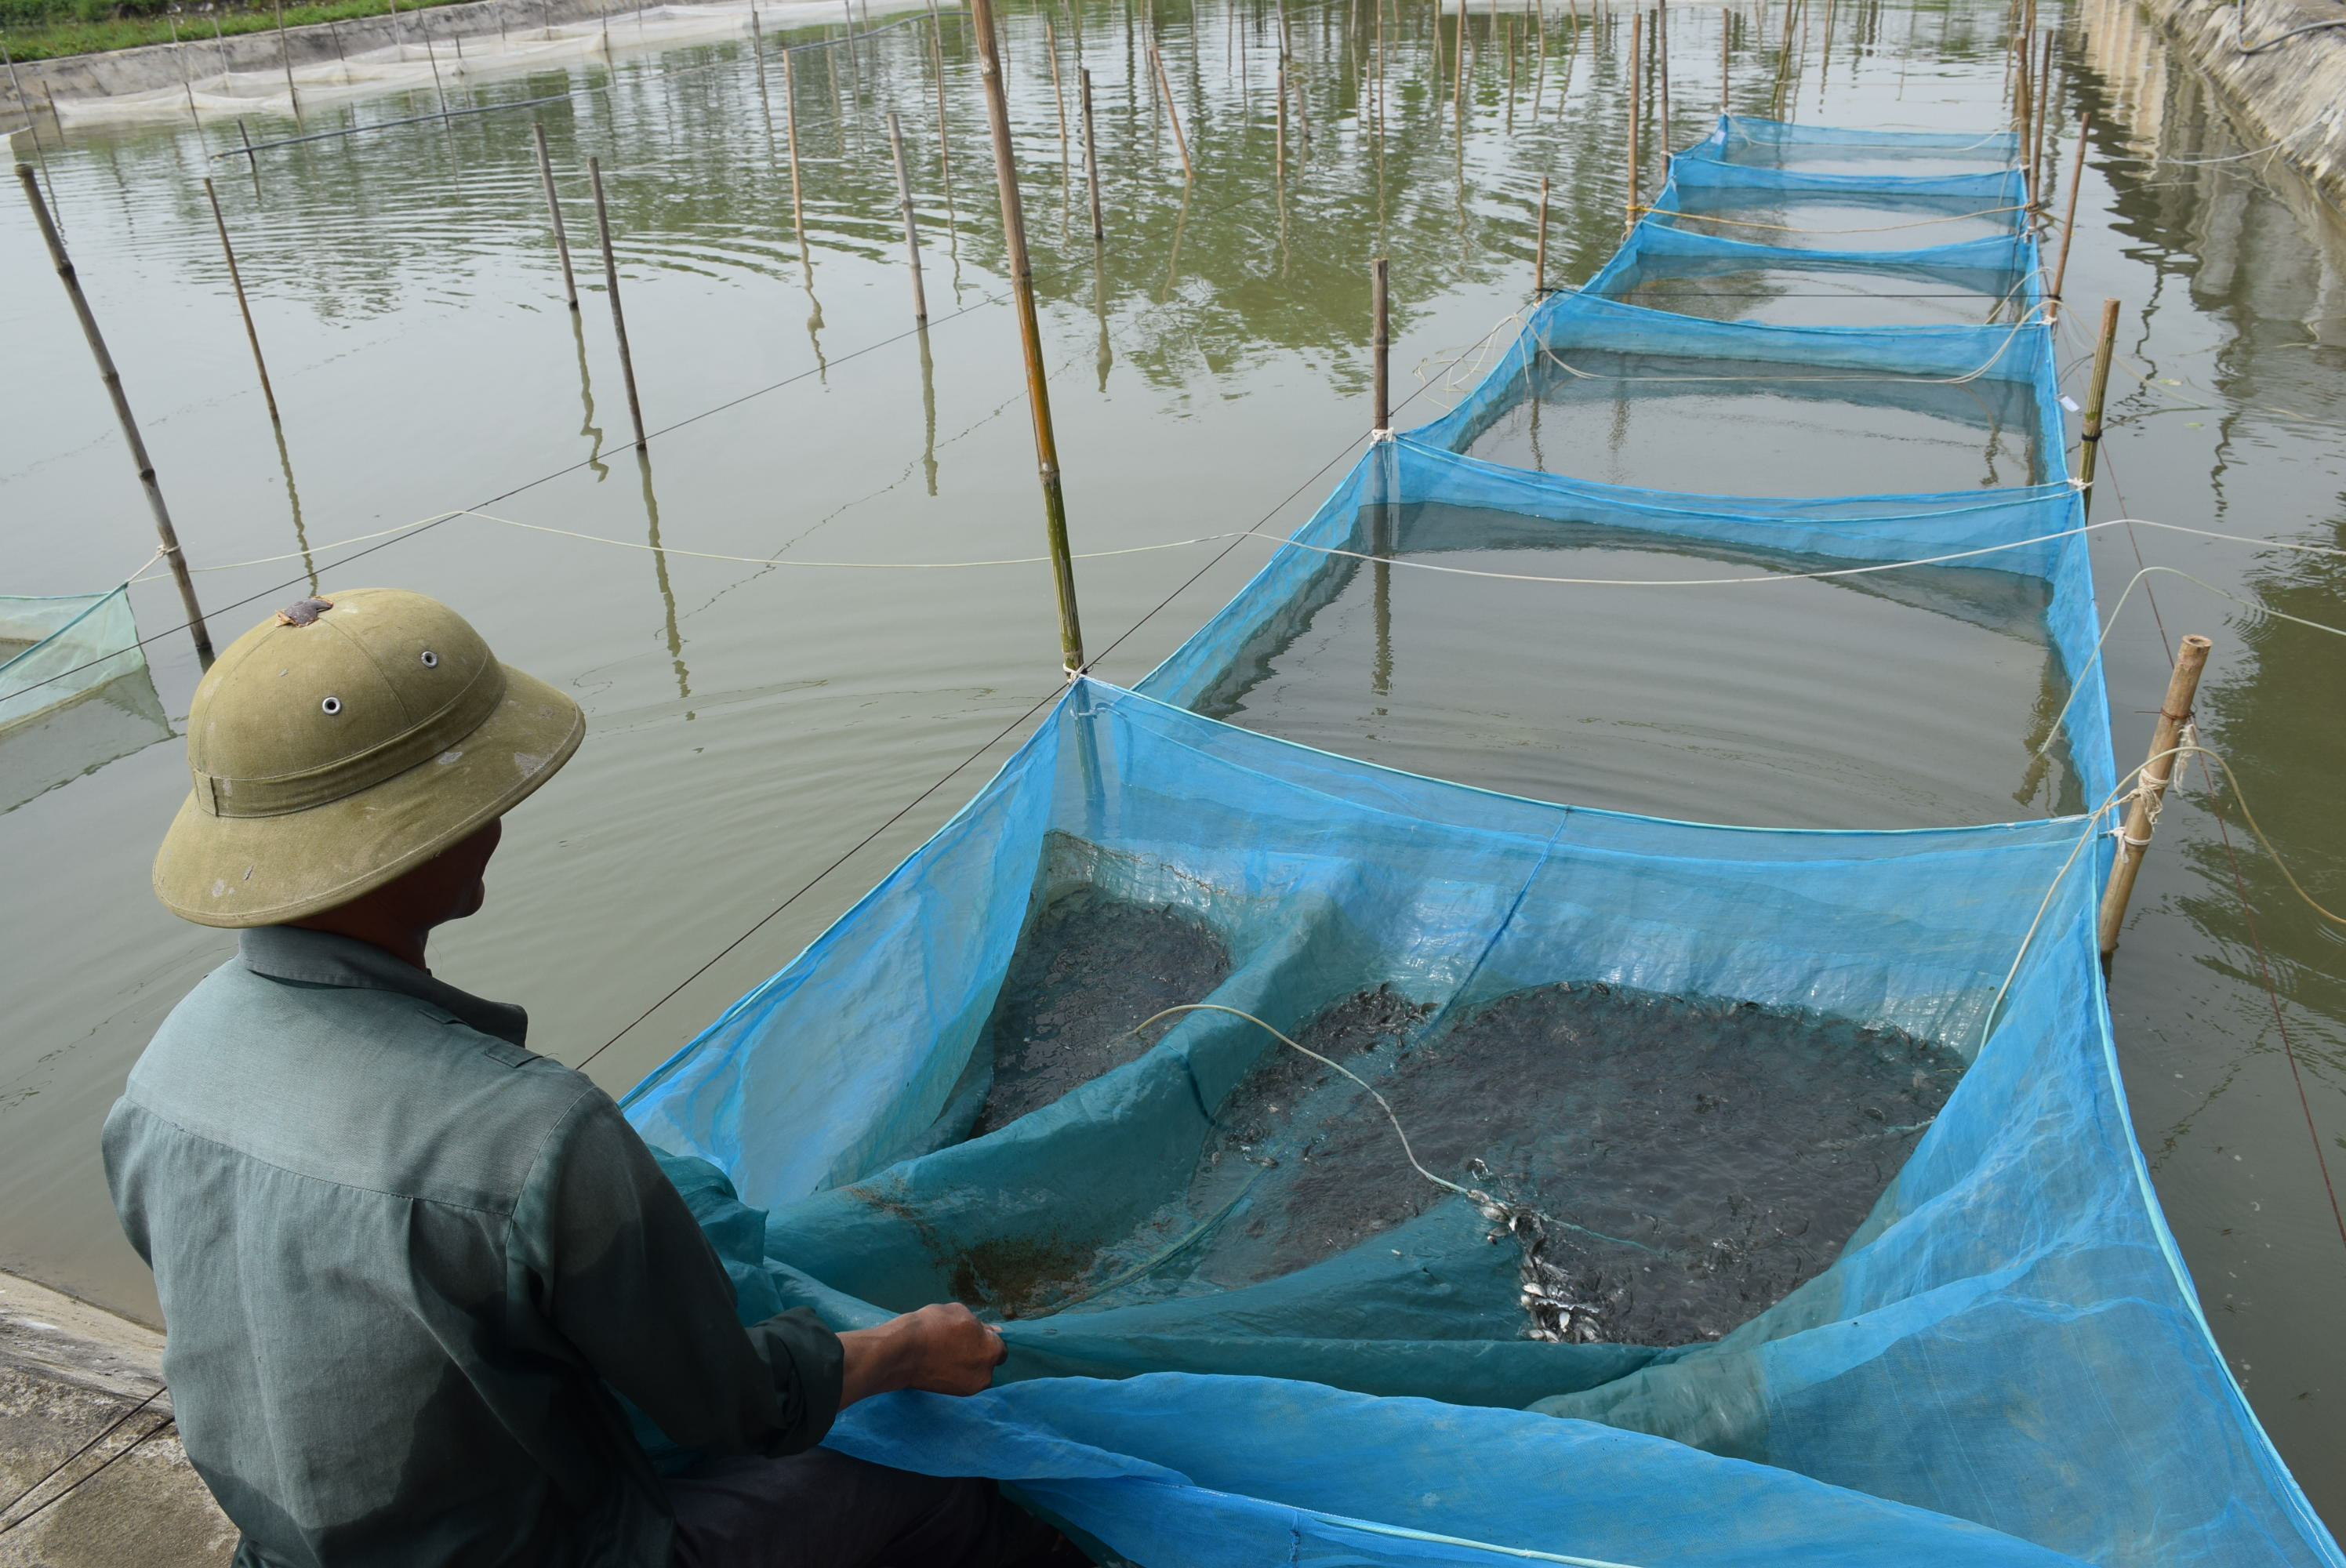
column 344, row 741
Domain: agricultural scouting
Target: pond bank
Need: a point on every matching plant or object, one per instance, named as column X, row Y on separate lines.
column 154, row 67
column 93, row 1490
column 2291, row 91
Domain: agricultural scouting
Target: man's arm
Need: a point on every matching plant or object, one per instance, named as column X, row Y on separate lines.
column 622, row 1269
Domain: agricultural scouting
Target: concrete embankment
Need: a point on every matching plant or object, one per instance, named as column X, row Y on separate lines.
column 155, row 66
column 2289, row 90
column 88, row 1448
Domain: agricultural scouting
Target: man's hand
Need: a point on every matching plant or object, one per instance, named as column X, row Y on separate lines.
column 941, row 1349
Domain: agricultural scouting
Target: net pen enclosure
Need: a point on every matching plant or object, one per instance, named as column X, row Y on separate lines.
column 1364, row 1166
column 74, row 692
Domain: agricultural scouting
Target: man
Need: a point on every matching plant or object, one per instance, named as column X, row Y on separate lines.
column 405, row 1264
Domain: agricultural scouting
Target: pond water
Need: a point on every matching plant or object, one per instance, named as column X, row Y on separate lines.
column 753, row 714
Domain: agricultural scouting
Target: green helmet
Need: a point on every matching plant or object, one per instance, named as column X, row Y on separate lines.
column 342, row 742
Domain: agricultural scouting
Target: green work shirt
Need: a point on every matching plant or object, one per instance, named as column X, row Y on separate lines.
column 405, row 1263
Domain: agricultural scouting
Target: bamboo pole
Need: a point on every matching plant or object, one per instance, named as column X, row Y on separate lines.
column 1539, row 249
column 1278, row 125
column 1662, row 73
column 178, row 52
column 2043, row 113
column 2151, row 788
column 554, row 210
column 1030, row 332
column 1380, row 348
column 1637, row 87
column 2089, row 439
column 765, row 100
column 236, row 281
column 1165, row 86
column 611, row 286
column 2068, row 221
column 945, row 133
column 1091, row 154
column 113, row 380
column 1726, row 54
column 790, row 127
column 911, row 227
column 1058, row 97
column 285, row 58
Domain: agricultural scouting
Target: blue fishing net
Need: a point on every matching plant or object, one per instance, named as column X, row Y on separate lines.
column 1769, row 1194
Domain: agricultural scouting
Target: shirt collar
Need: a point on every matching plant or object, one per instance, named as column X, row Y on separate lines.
column 322, row 958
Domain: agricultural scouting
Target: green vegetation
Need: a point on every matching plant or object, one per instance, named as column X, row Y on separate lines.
column 44, row 29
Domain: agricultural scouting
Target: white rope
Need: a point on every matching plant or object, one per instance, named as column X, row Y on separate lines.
column 2126, row 790
column 701, row 554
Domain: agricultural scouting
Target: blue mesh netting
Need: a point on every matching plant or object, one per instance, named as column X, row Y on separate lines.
column 2004, row 1360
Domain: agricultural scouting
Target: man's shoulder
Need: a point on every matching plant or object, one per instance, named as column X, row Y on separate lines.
column 362, row 1087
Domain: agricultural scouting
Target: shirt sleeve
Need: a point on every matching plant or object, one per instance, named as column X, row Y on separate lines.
column 619, row 1266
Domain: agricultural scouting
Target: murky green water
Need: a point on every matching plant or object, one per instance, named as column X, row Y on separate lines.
column 753, row 718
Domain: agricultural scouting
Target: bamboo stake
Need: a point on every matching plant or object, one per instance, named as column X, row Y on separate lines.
column 911, row 228
column 2151, row 788
column 1637, row 87
column 285, row 58
column 437, row 90
column 554, row 210
column 178, row 51
column 1030, row 332
column 1165, row 86
column 790, row 126
column 1726, row 60
column 2068, row 221
column 944, row 135
column 1380, row 348
column 765, row 101
column 611, row 286
column 1662, row 73
column 2037, row 169
column 1279, row 126
column 113, row 380
column 2089, row 439
column 1539, row 252
column 1091, row 154
column 1058, row 102
column 236, row 281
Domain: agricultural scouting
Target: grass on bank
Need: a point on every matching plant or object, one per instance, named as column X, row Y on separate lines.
column 46, row 29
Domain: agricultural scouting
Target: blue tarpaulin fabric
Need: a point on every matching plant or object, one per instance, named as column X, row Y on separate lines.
column 2005, row 1363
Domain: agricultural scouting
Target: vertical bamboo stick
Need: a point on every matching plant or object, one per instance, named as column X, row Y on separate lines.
column 1278, row 125
column 1030, row 332
column 178, row 52
column 113, row 380
column 2151, row 788
column 1165, row 86
column 2089, row 436
column 2068, row 219
column 1539, row 249
column 765, row 99
column 2037, row 169
column 1380, row 348
column 244, row 308
column 285, row 58
column 1058, row 102
column 945, row 133
column 911, row 227
column 1637, row 89
column 1726, row 55
column 1662, row 74
column 1091, row 153
column 798, row 194
column 611, row 285
column 554, row 210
